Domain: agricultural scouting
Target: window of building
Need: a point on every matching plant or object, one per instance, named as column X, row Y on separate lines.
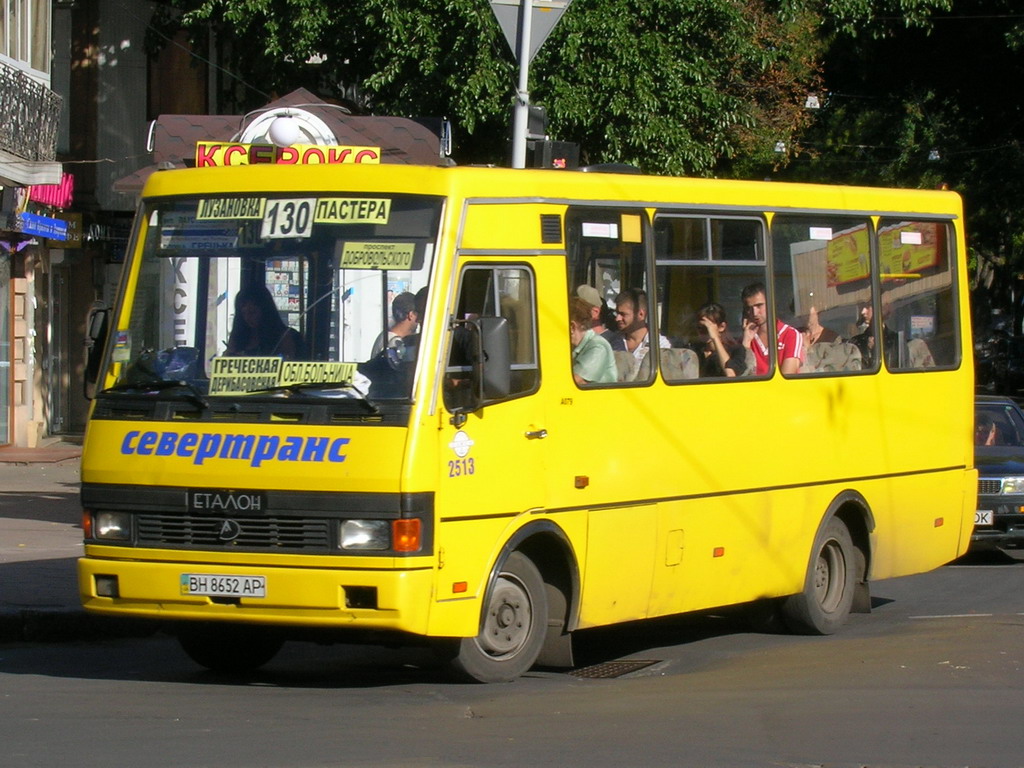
column 25, row 34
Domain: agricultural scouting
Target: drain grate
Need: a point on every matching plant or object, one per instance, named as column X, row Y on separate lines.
column 611, row 669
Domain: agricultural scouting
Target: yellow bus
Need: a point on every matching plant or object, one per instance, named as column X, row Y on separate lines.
column 480, row 408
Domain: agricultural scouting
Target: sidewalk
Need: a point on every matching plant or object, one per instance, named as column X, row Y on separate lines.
column 40, row 542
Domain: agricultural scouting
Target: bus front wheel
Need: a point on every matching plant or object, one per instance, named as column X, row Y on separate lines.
column 824, row 604
column 512, row 627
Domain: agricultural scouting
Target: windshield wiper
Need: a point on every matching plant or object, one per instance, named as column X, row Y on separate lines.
column 191, row 392
column 351, row 392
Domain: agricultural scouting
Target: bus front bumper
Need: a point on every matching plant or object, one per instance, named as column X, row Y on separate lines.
column 356, row 599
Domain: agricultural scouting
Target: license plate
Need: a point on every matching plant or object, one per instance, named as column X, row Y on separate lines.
column 217, row 585
column 983, row 517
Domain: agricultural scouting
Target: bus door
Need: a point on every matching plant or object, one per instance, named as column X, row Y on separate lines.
column 492, row 442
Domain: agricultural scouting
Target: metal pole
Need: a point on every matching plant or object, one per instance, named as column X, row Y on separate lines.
column 520, row 118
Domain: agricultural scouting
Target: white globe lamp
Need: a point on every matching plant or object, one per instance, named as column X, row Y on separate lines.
column 285, row 131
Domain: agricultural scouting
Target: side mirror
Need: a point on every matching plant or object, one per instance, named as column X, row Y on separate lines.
column 487, row 342
column 494, row 358
column 96, row 327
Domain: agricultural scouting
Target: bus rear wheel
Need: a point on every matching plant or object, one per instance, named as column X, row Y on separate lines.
column 512, row 627
column 824, row 604
column 229, row 649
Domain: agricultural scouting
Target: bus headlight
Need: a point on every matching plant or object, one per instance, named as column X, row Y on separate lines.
column 366, row 534
column 116, row 526
column 1013, row 485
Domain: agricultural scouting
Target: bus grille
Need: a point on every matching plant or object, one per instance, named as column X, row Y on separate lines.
column 257, row 533
column 990, row 486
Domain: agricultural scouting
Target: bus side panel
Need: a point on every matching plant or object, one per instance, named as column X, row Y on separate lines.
column 621, row 559
column 922, row 523
column 729, row 549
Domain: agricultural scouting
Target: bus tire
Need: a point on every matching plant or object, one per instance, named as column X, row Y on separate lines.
column 824, row 604
column 512, row 628
column 229, row 649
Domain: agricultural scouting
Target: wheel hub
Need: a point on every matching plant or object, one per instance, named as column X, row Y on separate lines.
column 509, row 619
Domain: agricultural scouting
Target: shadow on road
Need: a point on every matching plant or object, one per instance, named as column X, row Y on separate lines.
column 43, row 506
column 991, row 557
column 158, row 658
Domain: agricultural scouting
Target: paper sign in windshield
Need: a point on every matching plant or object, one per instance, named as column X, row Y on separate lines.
column 231, row 208
column 377, row 255
column 238, row 375
column 343, row 210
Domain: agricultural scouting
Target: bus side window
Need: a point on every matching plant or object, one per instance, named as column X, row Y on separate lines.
column 822, row 274
column 703, row 264
column 607, row 266
column 918, row 293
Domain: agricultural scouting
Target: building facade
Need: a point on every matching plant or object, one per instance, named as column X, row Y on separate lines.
column 30, row 213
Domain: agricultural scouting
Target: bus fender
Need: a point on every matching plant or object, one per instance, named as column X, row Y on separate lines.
column 550, row 550
column 852, row 508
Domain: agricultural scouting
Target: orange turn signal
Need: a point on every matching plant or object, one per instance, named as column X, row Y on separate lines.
column 405, row 535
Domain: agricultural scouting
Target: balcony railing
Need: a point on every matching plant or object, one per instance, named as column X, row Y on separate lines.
column 30, row 114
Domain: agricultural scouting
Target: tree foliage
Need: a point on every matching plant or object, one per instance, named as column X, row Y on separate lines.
column 673, row 86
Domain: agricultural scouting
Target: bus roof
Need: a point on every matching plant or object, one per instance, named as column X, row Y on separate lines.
column 475, row 182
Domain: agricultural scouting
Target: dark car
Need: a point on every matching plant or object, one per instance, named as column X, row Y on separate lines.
column 999, row 456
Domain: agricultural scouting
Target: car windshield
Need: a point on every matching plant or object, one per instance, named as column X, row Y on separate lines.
column 998, row 424
column 318, row 295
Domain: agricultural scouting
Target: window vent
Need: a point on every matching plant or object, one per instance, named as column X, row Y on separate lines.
column 550, row 228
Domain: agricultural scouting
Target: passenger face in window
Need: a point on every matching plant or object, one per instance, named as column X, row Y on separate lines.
column 755, row 311
column 629, row 318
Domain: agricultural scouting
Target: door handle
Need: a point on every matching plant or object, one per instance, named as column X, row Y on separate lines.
column 536, row 434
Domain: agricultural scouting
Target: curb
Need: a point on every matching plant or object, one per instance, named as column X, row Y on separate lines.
column 61, row 625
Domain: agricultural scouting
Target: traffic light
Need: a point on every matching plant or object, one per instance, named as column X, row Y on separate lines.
column 562, row 155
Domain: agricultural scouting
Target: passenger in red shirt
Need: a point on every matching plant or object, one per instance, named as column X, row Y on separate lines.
column 755, row 334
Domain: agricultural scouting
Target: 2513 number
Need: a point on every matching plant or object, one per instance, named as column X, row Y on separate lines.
column 460, row 467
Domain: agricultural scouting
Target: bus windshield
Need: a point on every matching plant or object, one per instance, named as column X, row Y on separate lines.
column 248, row 295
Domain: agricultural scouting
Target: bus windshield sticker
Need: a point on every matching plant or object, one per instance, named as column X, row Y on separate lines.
column 343, row 210
column 377, row 255
column 122, row 346
column 288, row 218
column 316, row 373
column 231, row 208
column 239, row 375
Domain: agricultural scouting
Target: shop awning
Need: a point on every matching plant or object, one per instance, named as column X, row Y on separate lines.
column 18, row 172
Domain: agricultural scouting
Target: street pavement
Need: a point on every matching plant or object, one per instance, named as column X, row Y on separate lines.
column 40, row 542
